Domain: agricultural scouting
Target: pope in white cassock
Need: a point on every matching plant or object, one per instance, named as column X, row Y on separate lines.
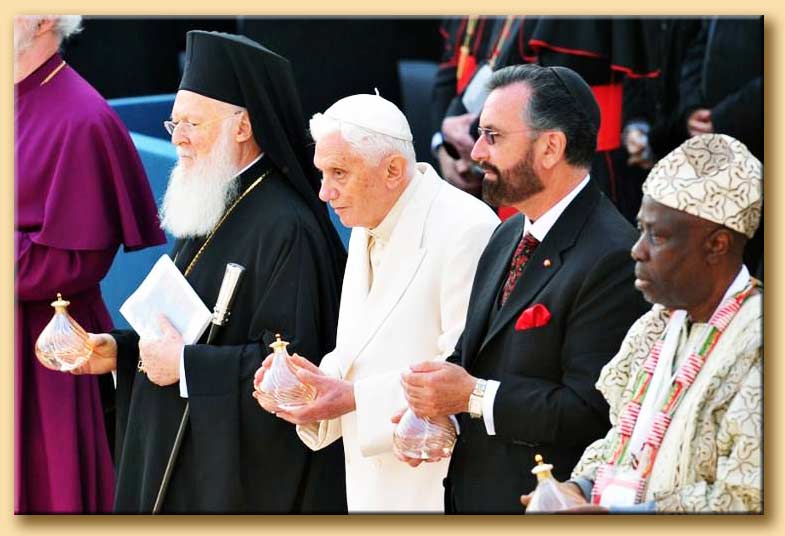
column 413, row 253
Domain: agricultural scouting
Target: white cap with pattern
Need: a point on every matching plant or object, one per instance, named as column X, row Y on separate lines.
column 713, row 177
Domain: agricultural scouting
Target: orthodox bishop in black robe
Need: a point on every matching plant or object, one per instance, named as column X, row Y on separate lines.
column 234, row 456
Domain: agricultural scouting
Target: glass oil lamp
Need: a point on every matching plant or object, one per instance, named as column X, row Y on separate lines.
column 63, row 344
column 280, row 384
column 547, row 497
column 424, row 438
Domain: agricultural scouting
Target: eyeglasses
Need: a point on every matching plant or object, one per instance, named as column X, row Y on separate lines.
column 189, row 126
column 491, row 135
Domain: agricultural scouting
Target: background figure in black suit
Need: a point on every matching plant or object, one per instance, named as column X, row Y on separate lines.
column 653, row 120
column 538, row 331
column 722, row 93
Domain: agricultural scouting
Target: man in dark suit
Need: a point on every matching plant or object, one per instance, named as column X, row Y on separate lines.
column 551, row 301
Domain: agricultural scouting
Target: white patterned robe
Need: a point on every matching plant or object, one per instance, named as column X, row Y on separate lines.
column 711, row 456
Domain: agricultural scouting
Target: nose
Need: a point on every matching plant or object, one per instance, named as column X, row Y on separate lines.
column 178, row 137
column 327, row 192
column 480, row 150
column 638, row 251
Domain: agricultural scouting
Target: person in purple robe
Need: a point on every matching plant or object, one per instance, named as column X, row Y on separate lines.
column 81, row 191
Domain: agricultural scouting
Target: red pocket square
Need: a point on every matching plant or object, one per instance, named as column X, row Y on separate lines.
column 534, row 317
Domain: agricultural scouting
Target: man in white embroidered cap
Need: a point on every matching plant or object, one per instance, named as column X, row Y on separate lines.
column 243, row 192
column 685, row 389
column 413, row 253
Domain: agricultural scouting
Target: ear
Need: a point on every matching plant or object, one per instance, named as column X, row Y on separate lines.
column 717, row 245
column 551, row 147
column 44, row 25
column 394, row 171
column 244, row 129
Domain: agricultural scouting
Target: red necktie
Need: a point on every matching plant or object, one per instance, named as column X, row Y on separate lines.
column 525, row 248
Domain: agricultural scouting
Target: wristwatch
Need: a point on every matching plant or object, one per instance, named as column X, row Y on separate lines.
column 475, row 399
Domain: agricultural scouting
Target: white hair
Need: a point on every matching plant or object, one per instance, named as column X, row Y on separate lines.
column 67, row 25
column 64, row 25
column 371, row 146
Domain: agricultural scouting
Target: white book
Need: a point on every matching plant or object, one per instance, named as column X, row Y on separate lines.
column 165, row 291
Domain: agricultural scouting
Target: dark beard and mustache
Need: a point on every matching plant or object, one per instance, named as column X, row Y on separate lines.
column 511, row 186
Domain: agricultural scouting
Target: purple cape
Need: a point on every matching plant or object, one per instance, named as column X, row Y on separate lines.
column 81, row 191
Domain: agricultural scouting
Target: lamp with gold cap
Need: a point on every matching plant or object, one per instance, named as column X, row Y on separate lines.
column 280, row 384
column 63, row 344
column 547, row 497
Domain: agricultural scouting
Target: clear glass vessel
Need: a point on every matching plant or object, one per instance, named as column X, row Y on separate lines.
column 63, row 344
column 280, row 384
column 424, row 438
column 547, row 497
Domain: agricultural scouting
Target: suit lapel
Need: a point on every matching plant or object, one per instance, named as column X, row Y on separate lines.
column 535, row 274
column 499, row 252
column 402, row 259
column 534, row 277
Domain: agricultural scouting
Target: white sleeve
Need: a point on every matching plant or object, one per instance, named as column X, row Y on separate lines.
column 183, row 383
column 317, row 435
column 491, row 386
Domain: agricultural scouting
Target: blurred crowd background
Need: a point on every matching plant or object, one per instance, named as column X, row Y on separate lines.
column 658, row 81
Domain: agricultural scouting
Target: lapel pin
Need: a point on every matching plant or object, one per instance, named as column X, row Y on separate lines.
column 546, row 263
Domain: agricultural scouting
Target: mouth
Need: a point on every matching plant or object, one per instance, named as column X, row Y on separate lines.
column 489, row 171
column 641, row 282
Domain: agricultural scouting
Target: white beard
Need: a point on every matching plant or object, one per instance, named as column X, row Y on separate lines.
column 195, row 199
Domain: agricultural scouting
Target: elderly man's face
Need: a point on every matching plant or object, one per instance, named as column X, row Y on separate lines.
column 670, row 255
column 354, row 188
column 508, row 162
column 24, row 33
column 200, row 122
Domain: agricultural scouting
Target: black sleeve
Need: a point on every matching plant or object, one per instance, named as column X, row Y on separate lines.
column 691, row 95
column 289, row 305
column 638, row 100
column 740, row 114
column 446, row 76
column 442, row 95
column 573, row 412
column 226, row 422
column 127, row 360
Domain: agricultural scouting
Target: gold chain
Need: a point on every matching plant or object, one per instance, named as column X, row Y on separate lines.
column 220, row 222
column 191, row 265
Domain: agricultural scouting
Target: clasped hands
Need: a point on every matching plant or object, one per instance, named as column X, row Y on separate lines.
column 432, row 389
column 334, row 396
